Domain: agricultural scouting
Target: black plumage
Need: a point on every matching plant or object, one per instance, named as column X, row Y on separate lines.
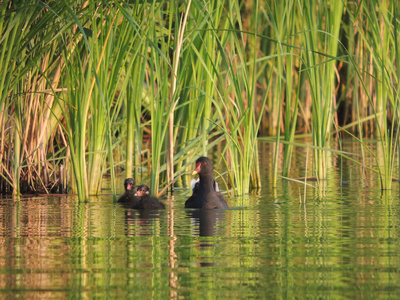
column 129, row 198
column 204, row 192
column 147, row 201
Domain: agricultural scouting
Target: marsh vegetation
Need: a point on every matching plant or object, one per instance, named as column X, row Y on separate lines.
column 95, row 88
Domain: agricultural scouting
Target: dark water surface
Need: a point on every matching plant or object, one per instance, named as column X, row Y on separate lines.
column 266, row 245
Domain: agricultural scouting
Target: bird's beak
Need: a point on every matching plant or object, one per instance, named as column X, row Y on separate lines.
column 197, row 170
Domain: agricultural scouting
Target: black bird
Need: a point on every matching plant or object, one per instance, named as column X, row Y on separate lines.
column 129, row 197
column 204, row 192
column 147, row 201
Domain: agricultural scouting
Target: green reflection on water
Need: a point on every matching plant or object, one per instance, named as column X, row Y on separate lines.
column 265, row 246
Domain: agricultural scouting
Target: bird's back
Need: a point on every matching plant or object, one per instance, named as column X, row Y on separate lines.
column 150, row 202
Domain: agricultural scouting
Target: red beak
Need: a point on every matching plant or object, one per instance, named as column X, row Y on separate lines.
column 197, row 170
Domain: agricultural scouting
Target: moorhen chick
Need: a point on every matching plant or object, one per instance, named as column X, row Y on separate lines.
column 129, row 197
column 204, row 192
column 147, row 201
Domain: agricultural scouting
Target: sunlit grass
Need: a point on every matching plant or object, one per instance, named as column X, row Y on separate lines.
column 82, row 83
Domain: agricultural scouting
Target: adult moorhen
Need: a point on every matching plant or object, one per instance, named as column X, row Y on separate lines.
column 204, row 194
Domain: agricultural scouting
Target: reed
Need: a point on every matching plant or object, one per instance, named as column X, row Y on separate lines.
column 379, row 34
column 178, row 44
column 96, row 98
column 97, row 95
column 236, row 109
column 283, row 16
column 321, row 73
column 137, row 93
column 133, row 110
column 83, row 81
column 158, row 72
column 197, row 83
column 27, row 96
column 10, row 172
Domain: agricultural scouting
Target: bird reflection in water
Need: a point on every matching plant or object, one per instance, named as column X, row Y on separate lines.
column 206, row 224
column 142, row 222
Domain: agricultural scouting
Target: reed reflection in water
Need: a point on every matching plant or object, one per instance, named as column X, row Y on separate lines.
column 266, row 245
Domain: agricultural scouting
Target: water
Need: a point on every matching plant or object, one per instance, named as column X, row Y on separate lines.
column 267, row 246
